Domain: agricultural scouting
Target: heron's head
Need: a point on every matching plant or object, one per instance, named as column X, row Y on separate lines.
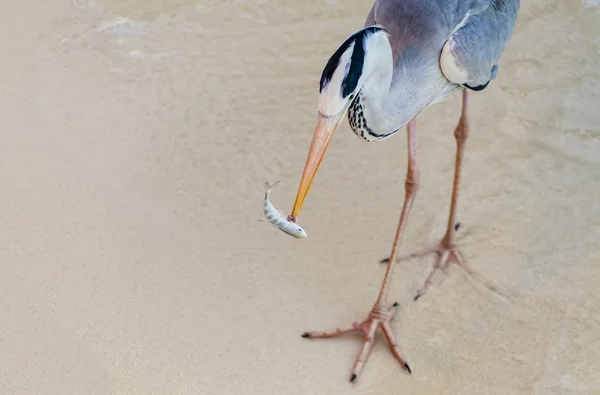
column 343, row 77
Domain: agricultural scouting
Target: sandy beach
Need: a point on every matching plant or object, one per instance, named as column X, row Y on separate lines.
column 135, row 141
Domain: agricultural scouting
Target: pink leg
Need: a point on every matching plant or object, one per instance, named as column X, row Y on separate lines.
column 381, row 313
column 447, row 252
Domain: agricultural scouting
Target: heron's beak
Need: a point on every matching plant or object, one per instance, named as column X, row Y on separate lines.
column 320, row 142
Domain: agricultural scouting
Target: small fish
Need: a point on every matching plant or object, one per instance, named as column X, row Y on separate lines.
column 278, row 219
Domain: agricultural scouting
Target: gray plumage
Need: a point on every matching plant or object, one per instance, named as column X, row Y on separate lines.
column 438, row 47
column 480, row 30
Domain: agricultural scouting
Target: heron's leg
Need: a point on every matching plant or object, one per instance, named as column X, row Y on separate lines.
column 461, row 133
column 411, row 186
column 447, row 252
column 381, row 314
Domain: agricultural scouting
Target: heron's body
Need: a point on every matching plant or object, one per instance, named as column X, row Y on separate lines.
column 410, row 55
column 437, row 48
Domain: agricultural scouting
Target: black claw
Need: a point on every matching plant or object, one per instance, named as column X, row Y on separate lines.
column 417, row 296
column 305, row 335
column 396, row 304
column 384, row 260
column 353, row 377
column 457, row 226
column 407, row 368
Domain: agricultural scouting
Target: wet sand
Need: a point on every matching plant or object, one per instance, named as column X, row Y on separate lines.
column 136, row 138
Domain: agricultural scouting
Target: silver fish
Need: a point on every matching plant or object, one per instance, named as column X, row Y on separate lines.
column 278, row 219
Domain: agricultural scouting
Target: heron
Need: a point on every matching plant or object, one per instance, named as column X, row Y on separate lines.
column 409, row 55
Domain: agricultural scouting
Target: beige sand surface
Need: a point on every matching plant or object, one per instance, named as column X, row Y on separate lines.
column 135, row 140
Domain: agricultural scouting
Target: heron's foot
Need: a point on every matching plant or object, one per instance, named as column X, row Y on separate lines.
column 384, row 261
column 377, row 318
column 445, row 255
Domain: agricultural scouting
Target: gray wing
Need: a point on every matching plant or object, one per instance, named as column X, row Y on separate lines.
column 371, row 17
column 471, row 54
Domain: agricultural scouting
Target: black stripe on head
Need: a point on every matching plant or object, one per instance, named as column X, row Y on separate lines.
column 356, row 62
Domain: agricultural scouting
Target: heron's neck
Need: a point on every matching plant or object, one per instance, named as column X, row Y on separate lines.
column 393, row 95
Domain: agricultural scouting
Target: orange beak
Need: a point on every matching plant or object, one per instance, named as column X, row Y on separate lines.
column 320, row 142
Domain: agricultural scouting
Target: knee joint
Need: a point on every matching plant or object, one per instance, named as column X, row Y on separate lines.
column 412, row 182
column 461, row 133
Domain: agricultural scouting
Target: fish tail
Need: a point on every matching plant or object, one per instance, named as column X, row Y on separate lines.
column 269, row 187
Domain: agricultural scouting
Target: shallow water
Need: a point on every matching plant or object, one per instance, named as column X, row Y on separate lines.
column 136, row 139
